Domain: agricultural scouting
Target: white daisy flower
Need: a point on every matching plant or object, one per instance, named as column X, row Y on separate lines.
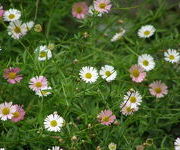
column 43, row 53
column 88, row 74
column 133, row 98
column 56, row 148
column 53, row 122
column 16, row 29
column 11, row 15
column 172, row 56
column 126, row 109
column 7, row 110
column 44, row 92
column 146, row 61
column 92, row 11
column 2, row 148
column 146, row 31
column 118, row 35
column 177, row 144
column 29, row 25
column 108, row 73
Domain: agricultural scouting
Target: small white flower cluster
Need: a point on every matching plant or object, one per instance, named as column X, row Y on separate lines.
column 43, row 52
column 16, row 28
column 146, row 61
column 90, row 74
column 131, row 103
column 53, row 122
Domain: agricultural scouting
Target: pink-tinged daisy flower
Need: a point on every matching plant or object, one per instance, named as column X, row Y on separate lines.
column 7, row 110
column 106, row 117
column 158, row 89
column 18, row 114
column 38, row 83
column 80, row 10
column 102, row 6
column 11, row 74
column 137, row 73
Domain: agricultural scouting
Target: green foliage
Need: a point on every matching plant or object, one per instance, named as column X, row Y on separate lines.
column 77, row 102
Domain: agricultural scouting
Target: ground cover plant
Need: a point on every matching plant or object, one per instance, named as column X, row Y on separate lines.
column 89, row 75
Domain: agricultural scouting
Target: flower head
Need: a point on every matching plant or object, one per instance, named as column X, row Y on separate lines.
column 118, row 35
column 172, row 56
column 127, row 109
column 44, row 53
column 88, row 74
column 53, row 122
column 177, row 144
column 37, row 28
column 7, row 110
column 16, row 29
column 92, row 11
column 137, row 73
column 29, row 25
column 18, row 114
column 108, row 73
column 158, row 89
column 146, row 31
column 106, row 117
column 44, row 91
column 11, row 74
column 80, row 10
column 133, row 98
column 102, row 6
column 38, row 83
column 146, row 61
column 112, row 146
column 56, row 148
column 11, row 15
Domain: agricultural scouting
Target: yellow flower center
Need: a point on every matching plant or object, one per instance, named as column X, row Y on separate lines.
column 108, row 73
column 44, row 92
column 17, row 29
column 135, row 73
column 102, row 5
column 88, row 75
column 145, row 63
column 79, row 10
column 105, row 119
column 16, row 114
column 128, row 109
column 146, row 32
column 11, row 16
column 42, row 54
column 158, row 90
column 53, row 123
column 38, row 84
column 12, row 75
column 5, row 111
column 133, row 99
column 171, row 57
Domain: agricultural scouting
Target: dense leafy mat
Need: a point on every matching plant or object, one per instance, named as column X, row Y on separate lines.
column 87, row 42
